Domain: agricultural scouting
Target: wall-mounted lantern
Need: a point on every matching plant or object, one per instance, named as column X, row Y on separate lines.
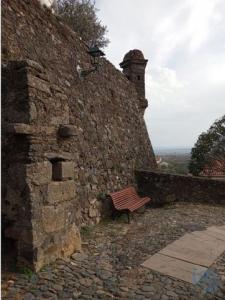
column 96, row 55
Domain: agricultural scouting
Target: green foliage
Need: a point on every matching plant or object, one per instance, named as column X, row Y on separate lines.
column 81, row 16
column 101, row 196
column 209, row 147
column 25, row 271
column 175, row 168
column 86, row 231
column 199, row 153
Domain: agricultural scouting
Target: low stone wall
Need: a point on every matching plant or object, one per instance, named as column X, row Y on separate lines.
column 163, row 188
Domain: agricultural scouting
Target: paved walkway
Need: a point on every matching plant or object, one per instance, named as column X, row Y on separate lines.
column 189, row 257
column 110, row 265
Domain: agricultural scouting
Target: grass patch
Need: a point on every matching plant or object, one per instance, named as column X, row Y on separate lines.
column 86, row 231
column 105, row 221
column 25, row 271
column 120, row 219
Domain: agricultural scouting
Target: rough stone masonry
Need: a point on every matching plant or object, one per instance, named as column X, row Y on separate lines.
column 65, row 140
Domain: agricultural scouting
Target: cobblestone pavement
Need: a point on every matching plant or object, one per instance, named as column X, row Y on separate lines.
column 109, row 266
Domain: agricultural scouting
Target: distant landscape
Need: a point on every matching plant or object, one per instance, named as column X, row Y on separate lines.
column 174, row 160
column 173, row 151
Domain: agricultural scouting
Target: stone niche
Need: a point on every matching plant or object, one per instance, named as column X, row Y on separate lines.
column 62, row 170
column 67, row 131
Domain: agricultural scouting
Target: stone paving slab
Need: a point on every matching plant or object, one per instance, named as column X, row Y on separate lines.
column 202, row 235
column 190, row 253
column 175, row 267
column 198, row 238
column 194, row 250
column 215, row 233
column 217, row 230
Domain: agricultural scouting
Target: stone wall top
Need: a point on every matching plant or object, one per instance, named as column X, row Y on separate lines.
column 164, row 188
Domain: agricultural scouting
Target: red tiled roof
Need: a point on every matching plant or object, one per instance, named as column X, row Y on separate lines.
column 215, row 170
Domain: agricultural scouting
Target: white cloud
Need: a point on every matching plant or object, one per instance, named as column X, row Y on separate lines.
column 185, row 77
column 165, row 92
column 161, row 81
column 216, row 73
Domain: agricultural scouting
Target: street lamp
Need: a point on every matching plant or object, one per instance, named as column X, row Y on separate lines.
column 96, row 55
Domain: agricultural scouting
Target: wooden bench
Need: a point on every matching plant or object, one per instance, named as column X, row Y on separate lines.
column 127, row 201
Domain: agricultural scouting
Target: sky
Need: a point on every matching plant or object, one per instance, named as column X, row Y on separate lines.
column 184, row 41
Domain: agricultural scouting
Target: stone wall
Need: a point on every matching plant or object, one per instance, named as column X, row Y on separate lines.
column 65, row 140
column 163, row 188
column 38, row 187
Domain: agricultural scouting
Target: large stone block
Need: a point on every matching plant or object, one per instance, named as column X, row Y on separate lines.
column 62, row 244
column 52, row 218
column 19, row 128
column 63, row 170
column 28, row 63
column 67, row 131
column 60, row 191
column 53, row 156
column 26, row 129
column 38, row 84
column 71, row 241
column 39, row 173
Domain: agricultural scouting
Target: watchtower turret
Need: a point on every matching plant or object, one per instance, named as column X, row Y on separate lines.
column 133, row 66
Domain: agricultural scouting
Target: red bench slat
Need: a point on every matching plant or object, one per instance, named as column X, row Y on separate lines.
column 128, row 199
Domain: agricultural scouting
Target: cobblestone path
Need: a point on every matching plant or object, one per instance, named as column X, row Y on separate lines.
column 109, row 267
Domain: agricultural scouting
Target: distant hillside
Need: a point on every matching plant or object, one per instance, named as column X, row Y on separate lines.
column 172, row 151
column 174, row 160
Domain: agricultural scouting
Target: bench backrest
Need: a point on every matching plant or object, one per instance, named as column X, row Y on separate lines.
column 126, row 196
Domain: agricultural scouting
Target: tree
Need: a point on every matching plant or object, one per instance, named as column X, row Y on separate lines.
column 210, row 147
column 81, row 16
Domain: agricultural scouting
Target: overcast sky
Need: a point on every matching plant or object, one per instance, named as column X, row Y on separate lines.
column 184, row 41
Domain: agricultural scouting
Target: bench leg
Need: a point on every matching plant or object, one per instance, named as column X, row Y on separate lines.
column 114, row 215
column 128, row 216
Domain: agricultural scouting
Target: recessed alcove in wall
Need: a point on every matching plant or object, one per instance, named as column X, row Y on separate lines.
column 62, row 170
column 54, row 162
column 67, row 131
